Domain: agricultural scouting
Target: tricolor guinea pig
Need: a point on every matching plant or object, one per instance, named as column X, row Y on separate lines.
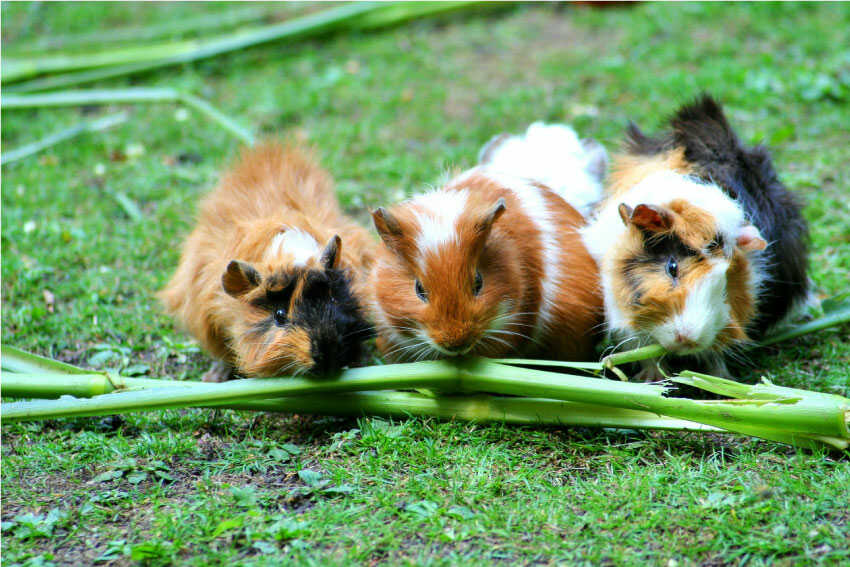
column 269, row 281
column 492, row 263
column 702, row 249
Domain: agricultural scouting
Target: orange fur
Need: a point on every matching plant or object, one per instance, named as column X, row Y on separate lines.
column 627, row 170
column 272, row 189
column 509, row 256
column 645, row 293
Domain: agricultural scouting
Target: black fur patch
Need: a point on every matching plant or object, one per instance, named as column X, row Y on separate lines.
column 745, row 174
column 326, row 309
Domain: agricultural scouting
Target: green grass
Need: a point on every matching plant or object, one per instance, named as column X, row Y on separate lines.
column 389, row 112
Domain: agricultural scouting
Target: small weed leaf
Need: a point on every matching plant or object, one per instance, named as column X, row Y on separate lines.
column 341, row 489
column 136, row 370
column 265, row 547
column 101, row 358
column 279, row 455
column 228, row 525
column 107, row 476
column 244, row 496
column 423, row 508
column 137, row 477
column 150, row 550
column 286, row 529
column 114, row 550
column 311, row 478
column 461, row 512
column 33, row 526
column 291, row 449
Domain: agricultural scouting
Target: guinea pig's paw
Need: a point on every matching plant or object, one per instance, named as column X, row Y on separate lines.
column 650, row 372
column 219, row 371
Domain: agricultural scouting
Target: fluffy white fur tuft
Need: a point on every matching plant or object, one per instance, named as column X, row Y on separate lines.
column 553, row 155
column 659, row 189
column 294, row 243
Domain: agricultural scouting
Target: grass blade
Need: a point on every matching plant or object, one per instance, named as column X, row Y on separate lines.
column 53, row 139
column 838, row 315
column 132, row 95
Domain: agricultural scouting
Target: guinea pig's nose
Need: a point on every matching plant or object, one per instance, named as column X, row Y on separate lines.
column 459, row 346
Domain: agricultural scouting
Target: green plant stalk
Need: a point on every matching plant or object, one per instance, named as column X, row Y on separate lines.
column 172, row 53
column 479, row 407
column 594, row 367
column 131, row 95
column 431, row 374
column 16, row 360
column 634, row 355
column 184, row 26
column 808, row 416
column 347, row 16
column 831, row 319
column 58, row 137
column 793, row 416
column 50, row 385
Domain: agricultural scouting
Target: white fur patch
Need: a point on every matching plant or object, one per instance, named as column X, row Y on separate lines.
column 659, row 189
column 534, row 205
column 706, row 313
column 553, row 155
column 437, row 215
column 295, row 243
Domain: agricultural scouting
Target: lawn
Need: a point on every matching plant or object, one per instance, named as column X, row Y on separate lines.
column 389, row 112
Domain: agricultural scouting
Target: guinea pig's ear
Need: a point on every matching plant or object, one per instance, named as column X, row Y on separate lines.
column 492, row 215
column 239, row 278
column 329, row 259
column 749, row 239
column 387, row 226
column 649, row 218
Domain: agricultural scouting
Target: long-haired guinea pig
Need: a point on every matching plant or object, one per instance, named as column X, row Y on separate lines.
column 701, row 247
column 492, row 263
column 270, row 280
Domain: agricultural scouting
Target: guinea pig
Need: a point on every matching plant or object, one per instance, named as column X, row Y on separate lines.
column 701, row 248
column 264, row 282
column 491, row 263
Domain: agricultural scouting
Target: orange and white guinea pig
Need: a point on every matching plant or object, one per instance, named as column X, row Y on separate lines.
column 701, row 247
column 270, row 280
column 492, row 263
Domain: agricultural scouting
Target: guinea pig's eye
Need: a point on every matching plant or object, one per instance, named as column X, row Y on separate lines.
column 420, row 292
column 479, row 283
column 280, row 317
column 672, row 268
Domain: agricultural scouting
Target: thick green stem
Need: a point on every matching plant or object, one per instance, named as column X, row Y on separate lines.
column 181, row 26
column 479, row 407
column 28, row 383
column 161, row 55
column 810, row 415
column 16, row 360
column 432, row 374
